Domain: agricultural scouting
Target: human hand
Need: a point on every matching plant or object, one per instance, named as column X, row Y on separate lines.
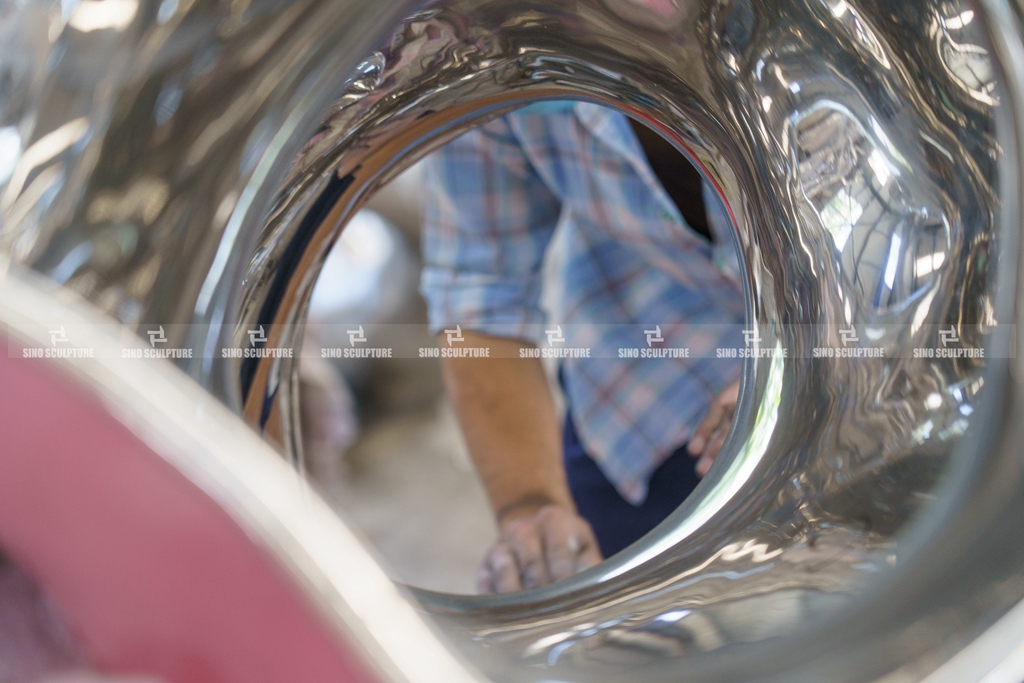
column 710, row 434
column 548, row 545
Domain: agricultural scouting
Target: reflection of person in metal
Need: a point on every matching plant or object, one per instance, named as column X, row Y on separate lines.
column 637, row 250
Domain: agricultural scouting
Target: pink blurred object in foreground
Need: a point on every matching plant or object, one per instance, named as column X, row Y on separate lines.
column 35, row 639
column 153, row 575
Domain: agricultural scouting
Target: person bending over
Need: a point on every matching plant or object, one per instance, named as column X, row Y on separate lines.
column 638, row 250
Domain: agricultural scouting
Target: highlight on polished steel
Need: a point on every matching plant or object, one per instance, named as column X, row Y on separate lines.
column 189, row 164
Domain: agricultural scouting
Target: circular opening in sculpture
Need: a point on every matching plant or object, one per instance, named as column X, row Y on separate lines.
column 415, row 465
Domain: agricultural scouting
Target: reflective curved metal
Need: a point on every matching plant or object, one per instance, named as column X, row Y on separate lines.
column 239, row 573
column 863, row 521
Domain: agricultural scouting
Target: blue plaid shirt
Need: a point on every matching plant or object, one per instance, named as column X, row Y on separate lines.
column 494, row 199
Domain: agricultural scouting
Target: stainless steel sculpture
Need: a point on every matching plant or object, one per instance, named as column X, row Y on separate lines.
column 864, row 521
column 180, row 545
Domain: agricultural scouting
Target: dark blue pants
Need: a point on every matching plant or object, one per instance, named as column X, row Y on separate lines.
column 616, row 522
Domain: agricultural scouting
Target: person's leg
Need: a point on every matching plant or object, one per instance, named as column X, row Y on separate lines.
column 616, row 522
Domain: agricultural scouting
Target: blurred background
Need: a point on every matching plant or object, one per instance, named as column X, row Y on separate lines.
column 381, row 441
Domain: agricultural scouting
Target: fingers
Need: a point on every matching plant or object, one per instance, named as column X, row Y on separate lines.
column 706, row 429
column 714, row 446
column 704, row 464
column 590, row 554
column 561, row 544
column 499, row 572
column 550, row 545
column 569, row 543
column 718, row 419
column 527, row 543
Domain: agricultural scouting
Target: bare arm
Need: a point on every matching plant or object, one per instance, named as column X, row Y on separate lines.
column 507, row 415
column 508, row 418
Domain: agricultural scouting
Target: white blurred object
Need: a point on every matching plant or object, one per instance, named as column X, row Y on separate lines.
column 399, row 202
column 330, row 424
column 369, row 276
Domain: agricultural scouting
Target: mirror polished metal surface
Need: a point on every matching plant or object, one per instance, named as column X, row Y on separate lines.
column 190, row 163
column 207, row 489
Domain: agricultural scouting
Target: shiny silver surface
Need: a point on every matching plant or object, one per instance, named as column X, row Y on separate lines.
column 863, row 523
column 317, row 553
column 148, row 133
